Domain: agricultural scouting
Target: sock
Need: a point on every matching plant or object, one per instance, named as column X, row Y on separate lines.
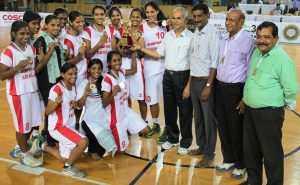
column 17, row 146
column 35, row 133
column 155, row 120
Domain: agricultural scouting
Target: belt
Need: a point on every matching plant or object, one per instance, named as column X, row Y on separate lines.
column 264, row 108
column 177, row 72
column 200, row 78
column 223, row 84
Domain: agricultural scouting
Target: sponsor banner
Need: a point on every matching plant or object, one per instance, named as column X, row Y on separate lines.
column 290, row 33
column 7, row 18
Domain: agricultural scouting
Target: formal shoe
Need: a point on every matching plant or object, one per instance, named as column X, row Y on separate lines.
column 182, row 151
column 167, row 145
column 195, row 152
column 224, row 167
column 204, row 163
column 163, row 137
column 238, row 173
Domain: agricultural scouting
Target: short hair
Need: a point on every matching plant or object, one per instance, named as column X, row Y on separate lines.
column 201, row 7
column 267, row 24
column 138, row 10
column 185, row 11
column 58, row 11
column 31, row 16
column 98, row 7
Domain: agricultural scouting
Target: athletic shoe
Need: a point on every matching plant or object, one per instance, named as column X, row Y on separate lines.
column 15, row 153
column 182, row 151
column 224, row 167
column 28, row 160
column 72, row 171
column 238, row 173
column 163, row 137
column 167, row 145
column 35, row 147
column 155, row 128
column 39, row 137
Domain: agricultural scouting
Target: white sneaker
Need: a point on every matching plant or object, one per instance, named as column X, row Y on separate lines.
column 72, row 171
column 35, row 147
column 238, row 173
column 182, row 151
column 167, row 145
column 28, row 160
column 224, row 167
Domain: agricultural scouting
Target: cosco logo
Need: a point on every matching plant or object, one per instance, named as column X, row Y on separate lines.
column 12, row 17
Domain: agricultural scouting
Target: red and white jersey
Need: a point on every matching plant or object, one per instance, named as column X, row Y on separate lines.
column 92, row 34
column 117, row 109
column 74, row 43
column 62, row 34
column 24, row 81
column 153, row 37
column 63, row 115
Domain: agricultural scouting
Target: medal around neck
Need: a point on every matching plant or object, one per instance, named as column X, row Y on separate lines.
column 122, row 85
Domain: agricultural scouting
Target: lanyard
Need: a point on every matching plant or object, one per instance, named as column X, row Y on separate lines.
column 24, row 53
column 227, row 46
column 71, row 96
column 258, row 64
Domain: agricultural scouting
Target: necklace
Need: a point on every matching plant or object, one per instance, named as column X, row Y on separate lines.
column 258, row 64
column 24, row 53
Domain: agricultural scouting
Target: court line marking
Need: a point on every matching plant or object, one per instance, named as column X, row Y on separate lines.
column 40, row 170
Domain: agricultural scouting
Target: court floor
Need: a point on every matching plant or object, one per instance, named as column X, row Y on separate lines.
column 143, row 163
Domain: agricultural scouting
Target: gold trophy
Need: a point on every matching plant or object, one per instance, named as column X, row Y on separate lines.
column 126, row 40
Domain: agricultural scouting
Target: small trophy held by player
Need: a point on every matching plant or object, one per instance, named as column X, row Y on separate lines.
column 126, row 40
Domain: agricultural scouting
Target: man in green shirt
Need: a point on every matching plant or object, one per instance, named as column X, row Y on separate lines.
column 271, row 86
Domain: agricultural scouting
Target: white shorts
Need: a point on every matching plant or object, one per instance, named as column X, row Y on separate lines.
column 67, row 139
column 26, row 111
column 153, row 88
column 133, row 123
column 137, row 86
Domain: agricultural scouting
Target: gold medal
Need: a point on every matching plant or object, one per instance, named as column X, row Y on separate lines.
column 222, row 60
column 92, row 86
column 83, row 44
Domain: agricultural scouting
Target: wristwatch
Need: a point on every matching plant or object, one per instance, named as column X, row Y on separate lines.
column 208, row 84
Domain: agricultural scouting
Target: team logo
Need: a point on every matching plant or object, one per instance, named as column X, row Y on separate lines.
column 291, row 32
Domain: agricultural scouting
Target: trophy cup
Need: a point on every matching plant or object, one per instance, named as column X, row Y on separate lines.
column 126, row 40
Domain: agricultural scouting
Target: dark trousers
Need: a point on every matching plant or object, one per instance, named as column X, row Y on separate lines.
column 94, row 146
column 230, row 122
column 173, row 86
column 262, row 144
column 205, row 118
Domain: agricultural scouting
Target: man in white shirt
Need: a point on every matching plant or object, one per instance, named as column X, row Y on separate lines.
column 176, row 81
column 203, row 54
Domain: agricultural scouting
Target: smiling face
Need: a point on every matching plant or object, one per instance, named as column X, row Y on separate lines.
column 70, row 76
column 178, row 22
column 136, row 18
column 63, row 19
column 115, row 62
column 234, row 22
column 265, row 41
column 200, row 18
column 115, row 18
column 95, row 71
column 151, row 13
column 53, row 28
column 78, row 23
column 21, row 36
column 99, row 16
